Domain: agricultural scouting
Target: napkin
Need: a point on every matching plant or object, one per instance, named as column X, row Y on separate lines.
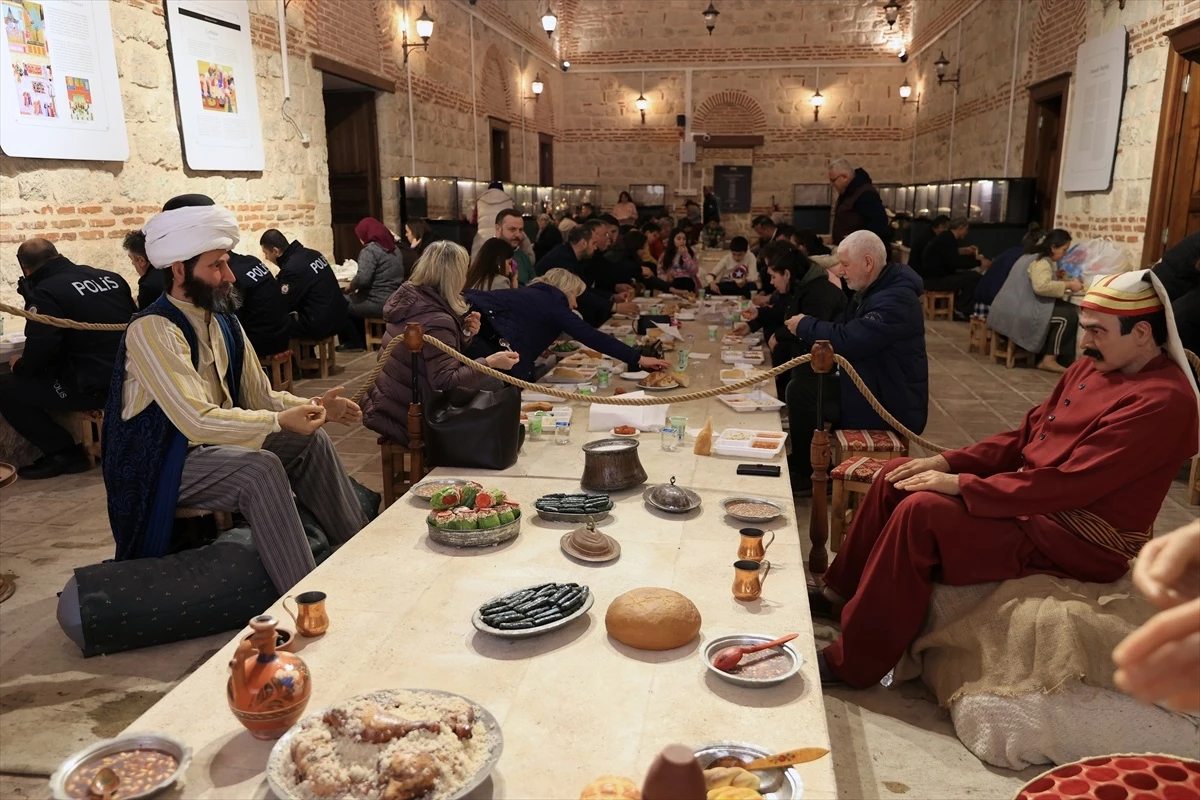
column 699, row 356
column 668, row 332
column 605, row 417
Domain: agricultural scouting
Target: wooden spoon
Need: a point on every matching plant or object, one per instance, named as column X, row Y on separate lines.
column 728, row 658
column 105, row 784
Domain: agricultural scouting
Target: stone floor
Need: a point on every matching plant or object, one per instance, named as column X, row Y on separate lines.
column 887, row 743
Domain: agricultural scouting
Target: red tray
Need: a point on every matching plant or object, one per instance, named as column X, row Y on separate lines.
column 1118, row 777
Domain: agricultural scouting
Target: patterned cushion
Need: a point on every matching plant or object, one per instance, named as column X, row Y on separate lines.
column 861, row 470
column 870, row 441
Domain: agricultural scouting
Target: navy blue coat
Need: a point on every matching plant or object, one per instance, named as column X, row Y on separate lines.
column 532, row 317
column 993, row 280
column 882, row 333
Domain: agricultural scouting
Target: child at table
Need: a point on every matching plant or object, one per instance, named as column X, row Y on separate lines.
column 733, row 271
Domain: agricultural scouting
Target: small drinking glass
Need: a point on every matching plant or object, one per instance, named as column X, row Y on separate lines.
column 562, row 431
column 670, row 439
column 712, row 333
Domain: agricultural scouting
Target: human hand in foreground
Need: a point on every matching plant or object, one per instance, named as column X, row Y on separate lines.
column 471, row 323
column 338, row 408
column 749, row 313
column 792, row 322
column 771, row 342
column 741, row 329
column 1074, row 286
column 917, row 466
column 931, row 481
column 12, row 361
column 625, row 290
column 646, row 362
column 1159, row 662
column 304, row 420
column 629, row 309
column 503, row 360
column 1167, row 569
column 760, row 299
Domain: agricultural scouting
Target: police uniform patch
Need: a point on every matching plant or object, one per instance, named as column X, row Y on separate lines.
column 283, row 288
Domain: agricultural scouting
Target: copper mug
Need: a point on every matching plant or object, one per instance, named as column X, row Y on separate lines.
column 751, row 547
column 749, row 577
column 310, row 616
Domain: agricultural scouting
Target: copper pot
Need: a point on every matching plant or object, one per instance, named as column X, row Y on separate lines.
column 610, row 465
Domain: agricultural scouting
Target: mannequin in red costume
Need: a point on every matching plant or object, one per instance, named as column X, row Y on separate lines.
column 1072, row 492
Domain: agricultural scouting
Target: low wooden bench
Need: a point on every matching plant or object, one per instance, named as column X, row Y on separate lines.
column 279, row 368
column 375, row 330
column 1005, row 352
column 938, row 305
column 315, row 354
column 91, row 423
column 978, row 336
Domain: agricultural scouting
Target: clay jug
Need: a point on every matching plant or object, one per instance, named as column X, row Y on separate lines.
column 267, row 690
column 674, row 775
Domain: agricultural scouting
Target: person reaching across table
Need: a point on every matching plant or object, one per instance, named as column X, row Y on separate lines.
column 1072, row 492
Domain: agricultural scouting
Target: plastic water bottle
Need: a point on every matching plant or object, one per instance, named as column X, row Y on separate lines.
column 562, row 431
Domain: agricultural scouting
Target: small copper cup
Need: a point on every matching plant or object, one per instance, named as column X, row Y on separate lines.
column 751, row 547
column 310, row 617
column 748, row 578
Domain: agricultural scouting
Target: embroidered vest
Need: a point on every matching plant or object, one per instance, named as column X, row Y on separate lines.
column 142, row 457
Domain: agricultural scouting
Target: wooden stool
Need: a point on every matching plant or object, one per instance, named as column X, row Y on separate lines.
column 978, row 336
column 1007, row 353
column 375, row 331
column 883, row 445
column 395, row 459
column 279, row 368
column 91, row 423
column 1194, row 483
column 938, row 305
column 315, row 354
column 853, row 477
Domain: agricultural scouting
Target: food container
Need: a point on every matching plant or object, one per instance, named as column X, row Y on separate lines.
column 780, row 662
column 746, row 403
column 742, row 356
column 738, row 374
column 672, row 499
column 729, row 504
column 138, row 741
column 745, row 443
column 480, row 537
column 574, row 375
column 790, row 785
column 611, row 465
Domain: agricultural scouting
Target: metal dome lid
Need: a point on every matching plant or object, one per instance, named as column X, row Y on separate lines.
column 669, row 497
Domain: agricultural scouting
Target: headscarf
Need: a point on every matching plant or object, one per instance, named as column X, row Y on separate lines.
column 370, row 230
column 184, row 233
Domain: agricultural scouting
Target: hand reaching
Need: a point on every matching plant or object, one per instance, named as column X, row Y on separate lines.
column 741, row 329
column 655, row 364
column 503, row 360
column 1167, row 569
column 339, row 409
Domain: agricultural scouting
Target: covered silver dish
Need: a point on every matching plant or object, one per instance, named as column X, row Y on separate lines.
column 671, row 498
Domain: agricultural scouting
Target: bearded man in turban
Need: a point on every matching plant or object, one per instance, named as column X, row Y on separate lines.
column 1073, row 492
column 192, row 420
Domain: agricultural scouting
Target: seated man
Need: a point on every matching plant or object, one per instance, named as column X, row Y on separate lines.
column 314, row 298
column 1179, row 271
column 192, row 420
column 61, row 369
column 150, row 282
column 949, row 267
column 574, row 255
column 1072, row 492
column 882, row 333
column 263, row 311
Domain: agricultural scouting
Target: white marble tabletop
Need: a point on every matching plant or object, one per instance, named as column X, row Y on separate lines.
column 573, row 704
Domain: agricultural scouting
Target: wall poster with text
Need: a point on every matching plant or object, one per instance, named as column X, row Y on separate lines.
column 213, row 61
column 59, row 96
column 732, row 187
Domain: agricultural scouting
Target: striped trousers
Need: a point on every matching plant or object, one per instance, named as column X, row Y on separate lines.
column 260, row 483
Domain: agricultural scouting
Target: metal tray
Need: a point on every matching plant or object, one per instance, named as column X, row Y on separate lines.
column 728, row 501
column 555, row 516
column 792, row 788
column 136, row 741
column 714, row 646
column 529, row 633
column 480, row 537
column 283, row 748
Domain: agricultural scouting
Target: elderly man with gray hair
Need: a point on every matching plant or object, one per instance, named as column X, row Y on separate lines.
column 882, row 333
column 858, row 207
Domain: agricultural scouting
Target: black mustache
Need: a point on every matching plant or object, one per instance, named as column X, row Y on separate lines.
column 1093, row 353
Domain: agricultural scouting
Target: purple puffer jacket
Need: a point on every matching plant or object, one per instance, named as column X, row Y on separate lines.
column 385, row 405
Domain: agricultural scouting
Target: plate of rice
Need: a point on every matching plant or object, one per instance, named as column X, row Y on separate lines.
column 392, row 744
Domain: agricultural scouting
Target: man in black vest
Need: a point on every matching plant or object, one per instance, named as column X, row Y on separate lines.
column 859, row 206
column 61, row 369
column 314, row 298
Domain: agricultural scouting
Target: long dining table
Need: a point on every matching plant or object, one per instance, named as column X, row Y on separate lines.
column 573, row 704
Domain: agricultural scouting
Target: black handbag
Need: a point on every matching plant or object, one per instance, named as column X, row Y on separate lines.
column 473, row 428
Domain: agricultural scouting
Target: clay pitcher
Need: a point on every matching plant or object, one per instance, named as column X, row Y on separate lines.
column 674, row 775
column 267, row 690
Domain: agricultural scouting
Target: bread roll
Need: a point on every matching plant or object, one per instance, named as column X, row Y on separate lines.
column 611, row 787
column 716, row 777
column 652, row 619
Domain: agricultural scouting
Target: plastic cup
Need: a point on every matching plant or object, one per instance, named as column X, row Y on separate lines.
column 670, row 440
column 680, row 426
column 712, row 333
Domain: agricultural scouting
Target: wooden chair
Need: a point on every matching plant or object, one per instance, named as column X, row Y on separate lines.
column 91, row 423
column 375, row 331
column 1194, row 483
column 315, row 354
column 851, row 443
column 852, row 479
column 1006, row 353
column 978, row 336
column 396, row 460
column 279, row 368
column 938, row 305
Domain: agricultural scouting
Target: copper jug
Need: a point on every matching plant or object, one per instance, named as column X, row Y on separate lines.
column 748, row 578
column 310, row 616
column 267, row 690
column 751, row 547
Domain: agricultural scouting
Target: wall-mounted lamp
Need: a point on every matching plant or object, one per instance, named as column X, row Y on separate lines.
column 891, row 12
column 817, row 101
column 906, row 91
column 549, row 21
column 424, row 30
column 710, row 17
column 940, row 65
column 537, row 87
column 642, row 104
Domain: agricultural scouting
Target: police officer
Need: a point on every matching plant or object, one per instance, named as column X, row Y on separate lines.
column 308, row 284
column 264, row 311
column 61, row 369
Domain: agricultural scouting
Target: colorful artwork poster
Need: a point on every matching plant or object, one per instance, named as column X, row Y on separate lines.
column 25, row 32
column 217, row 92
column 79, row 99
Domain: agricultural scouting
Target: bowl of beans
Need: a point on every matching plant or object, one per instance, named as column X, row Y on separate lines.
column 145, row 764
column 751, row 509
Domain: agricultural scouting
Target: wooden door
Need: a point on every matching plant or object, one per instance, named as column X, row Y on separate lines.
column 500, row 151
column 354, row 189
column 1043, row 144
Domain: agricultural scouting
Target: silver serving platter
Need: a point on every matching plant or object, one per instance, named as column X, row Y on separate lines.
column 728, row 501
column 791, row 787
column 479, row 537
column 281, row 753
column 439, row 482
column 692, row 497
column 137, row 741
column 555, row 516
column 649, row 388
column 714, row 646
column 529, row 633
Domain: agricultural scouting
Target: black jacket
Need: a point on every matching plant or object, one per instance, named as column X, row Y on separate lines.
column 916, row 254
column 150, row 287
column 1179, row 269
column 942, row 258
column 814, row 296
column 264, row 311
column 549, row 238
column 595, row 306
column 860, row 208
column 312, row 292
column 63, row 289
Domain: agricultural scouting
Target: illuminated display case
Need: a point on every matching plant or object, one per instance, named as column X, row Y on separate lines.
column 648, row 194
column 432, row 198
column 576, row 194
column 980, row 200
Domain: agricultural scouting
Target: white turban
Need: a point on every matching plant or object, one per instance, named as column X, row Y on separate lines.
column 187, row 232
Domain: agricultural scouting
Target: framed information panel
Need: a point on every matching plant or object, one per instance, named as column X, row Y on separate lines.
column 732, row 187
column 1095, row 113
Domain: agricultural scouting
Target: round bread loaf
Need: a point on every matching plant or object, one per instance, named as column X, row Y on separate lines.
column 611, row 787
column 652, row 619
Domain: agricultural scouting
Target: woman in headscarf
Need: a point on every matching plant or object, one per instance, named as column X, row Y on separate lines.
column 381, row 270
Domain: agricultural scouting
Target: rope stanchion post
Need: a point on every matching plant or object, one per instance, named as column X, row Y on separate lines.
column 818, row 454
column 414, row 341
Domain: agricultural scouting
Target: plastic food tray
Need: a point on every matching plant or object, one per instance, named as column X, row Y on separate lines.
column 748, row 373
column 583, row 374
column 745, row 403
column 742, row 356
column 740, row 442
